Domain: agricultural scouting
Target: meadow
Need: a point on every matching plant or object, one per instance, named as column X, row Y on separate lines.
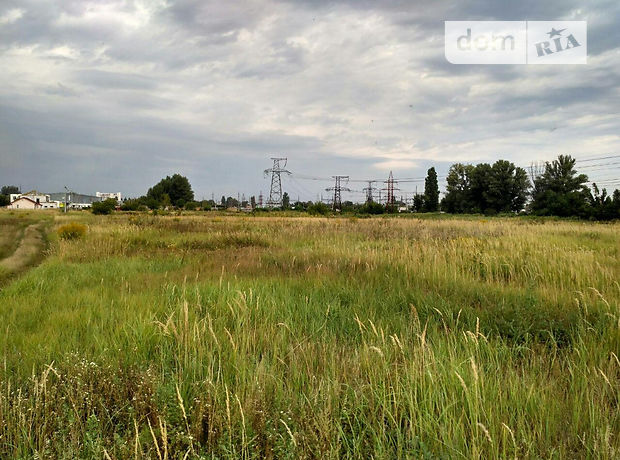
column 217, row 336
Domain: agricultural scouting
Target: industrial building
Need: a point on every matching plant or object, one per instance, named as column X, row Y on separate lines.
column 37, row 200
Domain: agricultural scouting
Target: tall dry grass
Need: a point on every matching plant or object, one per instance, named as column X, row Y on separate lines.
column 243, row 337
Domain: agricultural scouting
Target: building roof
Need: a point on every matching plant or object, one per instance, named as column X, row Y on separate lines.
column 26, row 198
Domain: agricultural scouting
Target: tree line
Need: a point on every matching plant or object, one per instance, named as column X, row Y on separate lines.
column 556, row 189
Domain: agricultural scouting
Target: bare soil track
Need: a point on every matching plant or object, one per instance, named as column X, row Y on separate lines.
column 28, row 252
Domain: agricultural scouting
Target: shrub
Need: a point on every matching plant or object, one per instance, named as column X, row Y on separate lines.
column 319, row 209
column 372, row 208
column 104, row 207
column 72, row 231
column 131, row 205
column 192, row 205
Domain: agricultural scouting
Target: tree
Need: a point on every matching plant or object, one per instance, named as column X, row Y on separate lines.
column 9, row 189
column 479, row 180
column 418, row 203
column 560, row 191
column 177, row 188
column 104, row 207
column 603, row 206
column 5, row 194
column 286, row 201
column 151, row 202
column 231, row 202
column 253, row 201
column 507, row 187
column 165, row 201
column 456, row 199
column 431, row 191
column 521, row 189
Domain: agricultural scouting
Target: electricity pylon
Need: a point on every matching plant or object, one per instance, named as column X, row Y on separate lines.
column 275, row 193
column 390, row 204
column 369, row 190
column 337, row 189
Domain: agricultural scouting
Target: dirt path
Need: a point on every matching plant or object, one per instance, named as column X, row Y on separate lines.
column 28, row 251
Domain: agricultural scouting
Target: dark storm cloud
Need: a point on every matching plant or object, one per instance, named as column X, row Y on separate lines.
column 114, row 94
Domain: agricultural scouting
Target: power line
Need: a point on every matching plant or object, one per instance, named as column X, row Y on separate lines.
column 304, row 177
column 612, row 163
column 598, row 158
column 307, row 193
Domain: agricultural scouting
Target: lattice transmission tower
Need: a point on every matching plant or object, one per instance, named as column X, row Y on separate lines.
column 338, row 189
column 369, row 191
column 275, row 193
column 390, row 203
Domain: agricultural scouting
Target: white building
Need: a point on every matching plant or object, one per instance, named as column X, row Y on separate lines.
column 32, row 200
column 105, row 196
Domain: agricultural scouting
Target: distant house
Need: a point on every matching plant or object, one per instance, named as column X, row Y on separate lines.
column 24, row 202
column 32, row 200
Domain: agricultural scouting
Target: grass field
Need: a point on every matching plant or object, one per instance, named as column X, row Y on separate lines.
column 277, row 337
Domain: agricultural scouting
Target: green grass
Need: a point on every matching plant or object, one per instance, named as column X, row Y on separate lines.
column 12, row 226
column 277, row 337
column 23, row 241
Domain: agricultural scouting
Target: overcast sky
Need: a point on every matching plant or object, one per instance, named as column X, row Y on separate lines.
column 113, row 95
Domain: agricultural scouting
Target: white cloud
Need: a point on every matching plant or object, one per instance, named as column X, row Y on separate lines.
column 339, row 88
column 10, row 16
column 395, row 164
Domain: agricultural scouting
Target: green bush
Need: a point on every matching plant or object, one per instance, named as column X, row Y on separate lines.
column 192, row 205
column 372, row 208
column 131, row 205
column 71, row 231
column 104, row 207
column 319, row 209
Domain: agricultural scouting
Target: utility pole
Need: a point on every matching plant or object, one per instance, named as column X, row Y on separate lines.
column 275, row 193
column 337, row 189
column 260, row 199
column 66, row 202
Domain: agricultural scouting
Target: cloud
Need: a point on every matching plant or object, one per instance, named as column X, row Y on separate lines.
column 396, row 164
column 10, row 16
column 113, row 94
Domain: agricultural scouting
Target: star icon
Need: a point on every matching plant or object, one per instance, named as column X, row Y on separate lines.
column 554, row 32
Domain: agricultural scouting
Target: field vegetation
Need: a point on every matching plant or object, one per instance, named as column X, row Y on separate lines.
column 215, row 336
column 23, row 241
